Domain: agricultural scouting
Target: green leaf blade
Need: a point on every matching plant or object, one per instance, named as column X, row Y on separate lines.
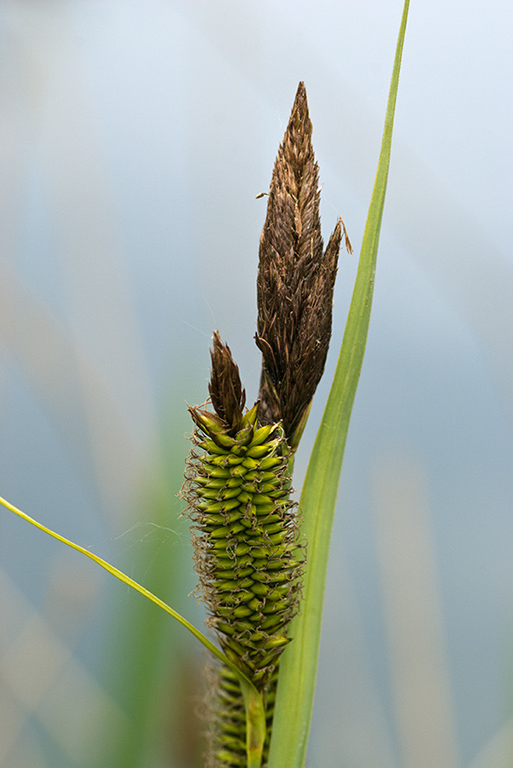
column 255, row 715
column 298, row 667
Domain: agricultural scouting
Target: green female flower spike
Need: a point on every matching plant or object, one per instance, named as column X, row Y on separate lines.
column 246, row 542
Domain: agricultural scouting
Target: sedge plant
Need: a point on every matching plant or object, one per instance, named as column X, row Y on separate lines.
column 261, row 558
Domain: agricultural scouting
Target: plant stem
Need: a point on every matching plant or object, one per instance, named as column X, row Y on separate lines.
column 255, row 725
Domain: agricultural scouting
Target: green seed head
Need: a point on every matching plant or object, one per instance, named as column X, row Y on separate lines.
column 245, row 532
column 247, row 553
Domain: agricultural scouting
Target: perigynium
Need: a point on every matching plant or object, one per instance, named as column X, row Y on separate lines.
column 248, row 549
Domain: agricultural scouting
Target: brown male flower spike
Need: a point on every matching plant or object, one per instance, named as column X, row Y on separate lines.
column 295, row 283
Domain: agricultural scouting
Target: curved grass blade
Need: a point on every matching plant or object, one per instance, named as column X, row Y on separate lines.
column 255, row 716
column 124, row 578
column 296, row 686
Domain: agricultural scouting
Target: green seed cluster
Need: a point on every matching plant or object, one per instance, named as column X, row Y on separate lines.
column 227, row 736
column 245, row 535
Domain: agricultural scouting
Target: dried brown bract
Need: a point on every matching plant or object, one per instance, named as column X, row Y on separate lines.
column 295, row 284
column 225, row 388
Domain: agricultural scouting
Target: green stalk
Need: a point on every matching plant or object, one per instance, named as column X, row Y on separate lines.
column 298, row 666
column 255, row 724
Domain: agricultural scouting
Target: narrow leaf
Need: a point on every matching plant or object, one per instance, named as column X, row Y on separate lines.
column 298, row 671
column 125, row 579
column 255, row 717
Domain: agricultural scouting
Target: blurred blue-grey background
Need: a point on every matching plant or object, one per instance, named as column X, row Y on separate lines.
column 134, row 137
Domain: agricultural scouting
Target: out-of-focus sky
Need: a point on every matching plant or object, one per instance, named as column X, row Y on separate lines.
column 134, row 139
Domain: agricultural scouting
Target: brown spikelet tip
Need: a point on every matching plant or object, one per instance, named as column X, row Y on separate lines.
column 295, row 283
column 225, row 388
